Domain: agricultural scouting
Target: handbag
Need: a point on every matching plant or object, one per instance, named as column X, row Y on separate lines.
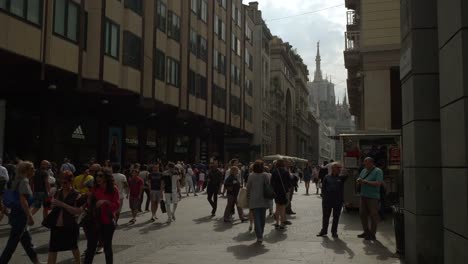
column 163, row 206
column 358, row 186
column 242, row 200
column 50, row 221
column 268, row 192
column 284, row 188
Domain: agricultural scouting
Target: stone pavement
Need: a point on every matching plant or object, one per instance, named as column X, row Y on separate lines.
column 197, row 238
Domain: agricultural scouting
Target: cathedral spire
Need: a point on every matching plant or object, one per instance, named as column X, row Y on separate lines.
column 318, row 70
column 345, row 101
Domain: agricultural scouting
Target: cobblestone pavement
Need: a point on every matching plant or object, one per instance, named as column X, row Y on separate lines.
column 197, row 238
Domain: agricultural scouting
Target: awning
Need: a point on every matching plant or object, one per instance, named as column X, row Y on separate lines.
column 282, row 157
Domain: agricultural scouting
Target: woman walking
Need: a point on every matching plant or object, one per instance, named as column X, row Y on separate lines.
column 102, row 206
column 233, row 186
column 280, row 182
column 307, row 174
column 256, row 197
column 64, row 232
column 20, row 215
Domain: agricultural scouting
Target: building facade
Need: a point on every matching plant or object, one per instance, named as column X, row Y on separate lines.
column 130, row 80
column 434, row 65
column 262, row 138
column 372, row 57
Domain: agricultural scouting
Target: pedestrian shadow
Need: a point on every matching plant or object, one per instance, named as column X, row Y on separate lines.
column 378, row 249
column 202, row 220
column 338, row 246
column 221, row 226
column 153, row 227
column 275, row 236
column 243, row 252
column 246, row 236
column 128, row 226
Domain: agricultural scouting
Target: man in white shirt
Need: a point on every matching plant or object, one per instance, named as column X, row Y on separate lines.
column 122, row 185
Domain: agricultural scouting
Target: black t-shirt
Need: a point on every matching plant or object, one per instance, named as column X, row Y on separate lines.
column 155, row 179
column 40, row 178
column 167, row 178
column 215, row 177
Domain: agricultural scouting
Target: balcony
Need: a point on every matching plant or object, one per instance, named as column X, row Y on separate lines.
column 352, row 47
column 352, row 4
column 352, row 21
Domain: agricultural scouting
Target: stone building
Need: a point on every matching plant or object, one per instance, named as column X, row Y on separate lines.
column 129, row 80
column 434, row 73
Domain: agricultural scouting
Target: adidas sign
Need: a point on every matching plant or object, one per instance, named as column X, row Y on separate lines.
column 78, row 133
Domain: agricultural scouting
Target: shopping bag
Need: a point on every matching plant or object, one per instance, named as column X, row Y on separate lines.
column 163, row 206
column 242, row 200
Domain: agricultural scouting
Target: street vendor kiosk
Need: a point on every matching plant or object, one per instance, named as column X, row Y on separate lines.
column 384, row 147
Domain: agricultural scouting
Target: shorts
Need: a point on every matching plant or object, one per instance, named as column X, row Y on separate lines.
column 40, row 199
column 134, row 203
column 155, row 196
column 171, row 198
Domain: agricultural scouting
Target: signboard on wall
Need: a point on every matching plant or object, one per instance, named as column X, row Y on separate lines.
column 131, row 135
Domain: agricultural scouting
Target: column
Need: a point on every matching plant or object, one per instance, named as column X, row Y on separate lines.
column 453, row 55
column 421, row 132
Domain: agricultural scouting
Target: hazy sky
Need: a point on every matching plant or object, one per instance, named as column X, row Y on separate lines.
column 303, row 32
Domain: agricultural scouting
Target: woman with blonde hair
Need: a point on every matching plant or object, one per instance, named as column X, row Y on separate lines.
column 233, row 187
column 20, row 215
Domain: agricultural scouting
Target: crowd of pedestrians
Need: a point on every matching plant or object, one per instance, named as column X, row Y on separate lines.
column 91, row 198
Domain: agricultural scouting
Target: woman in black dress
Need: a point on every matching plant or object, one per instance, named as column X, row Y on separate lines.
column 64, row 234
column 281, row 183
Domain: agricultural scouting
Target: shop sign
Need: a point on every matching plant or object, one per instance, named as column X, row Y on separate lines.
column 78, row 133
column 151, row 138
column 131, row 135
column 181, row 144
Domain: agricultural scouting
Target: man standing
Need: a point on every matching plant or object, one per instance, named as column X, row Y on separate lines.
column 214, row 179
column 170, row 186
column 136, row 189
column 41, row 188
column 332, row 191
column 370, row 180
column 121, row 181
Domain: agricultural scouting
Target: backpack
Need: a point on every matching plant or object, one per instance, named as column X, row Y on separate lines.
column 11, row 198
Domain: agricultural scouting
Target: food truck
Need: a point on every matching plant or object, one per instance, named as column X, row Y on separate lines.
column 384, row 147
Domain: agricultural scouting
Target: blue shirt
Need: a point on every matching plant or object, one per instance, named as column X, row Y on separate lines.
column 376, row 175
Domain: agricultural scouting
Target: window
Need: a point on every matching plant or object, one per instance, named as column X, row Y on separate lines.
column 160, row 65
column 194, row 5
column 235, row 105
column 248, row 33
column 204, row 11
column 238, row 47
column 30, row 10
column 173, row 72
column 220, row 28
column 134, row 5
column 219, row 97
column 216, row 26
column 248, row 87
column 215, row 59
column 203, row 48
column 131, row 50
column 193, row 42
column 239, row 17
column 235, row 74
column 174, row 26
column 223, row 4
column 192, row 82
column 201, row 87
column 236, row 44
column 66, row 19
column 248, row 59
column 248, row 112
column 112, row 39
column 161, row 16
column 222, row 64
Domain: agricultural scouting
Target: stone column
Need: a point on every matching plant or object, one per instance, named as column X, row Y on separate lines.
column 453, row 54
column 419, row 68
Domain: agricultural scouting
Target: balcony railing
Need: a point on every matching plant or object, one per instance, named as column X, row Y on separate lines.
column 352, row 41
column 352, row 18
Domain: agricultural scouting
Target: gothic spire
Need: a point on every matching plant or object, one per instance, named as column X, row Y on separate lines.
column 318, row 70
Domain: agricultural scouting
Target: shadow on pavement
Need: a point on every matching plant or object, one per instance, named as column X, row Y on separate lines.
column 275, row 236
column 246, row 236
column 338, row 246
column 129, row 226
column 378, row 249
column 221, row 226
column 153, row 227
column 202, row 220
column 247, row 251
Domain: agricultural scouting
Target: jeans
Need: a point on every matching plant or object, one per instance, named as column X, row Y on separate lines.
column 259, row 221
column 18, row 233
column 105, row 233
column 327, row 210
column 369, row 208
column 213, row 198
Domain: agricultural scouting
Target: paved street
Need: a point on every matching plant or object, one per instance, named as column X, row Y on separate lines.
column 197, row 238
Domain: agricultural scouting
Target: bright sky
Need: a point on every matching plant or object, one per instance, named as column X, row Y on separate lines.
column 303, row 32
